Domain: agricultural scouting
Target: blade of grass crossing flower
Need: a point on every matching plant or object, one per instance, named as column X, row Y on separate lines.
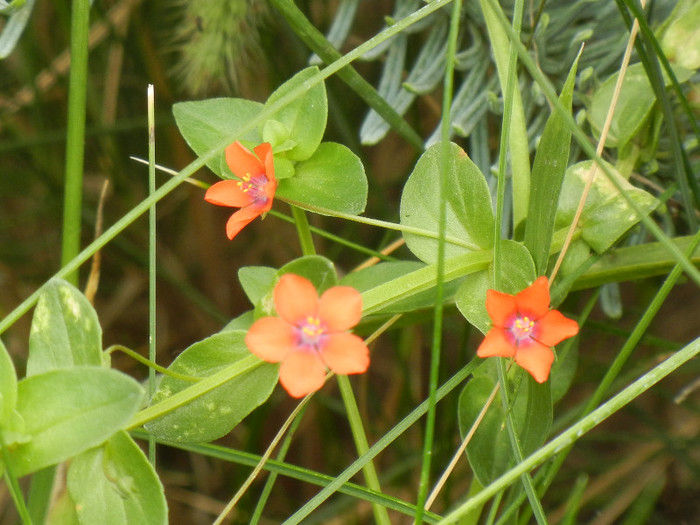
column 151, row 259
column 521, row 185
column 517, row 129
column 576, row 431
column 584, row 143
column 445, row 153
column 200, row 162
column 381, row 515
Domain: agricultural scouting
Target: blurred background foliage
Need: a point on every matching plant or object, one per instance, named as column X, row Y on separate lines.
column 245, row 48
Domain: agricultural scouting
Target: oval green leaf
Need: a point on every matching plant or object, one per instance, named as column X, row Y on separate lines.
column 115, row 484
column 333, row 179
column 65, row 330
column 469, row 213
column 216, row 413
column 71, row 410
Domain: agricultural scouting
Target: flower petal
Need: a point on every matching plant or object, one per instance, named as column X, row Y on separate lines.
column 500, row 307
column 271, row 339
column 240, row 220
column 534, row 300
column 302, row 373
column 264, row 153
column 241, row 161
column 554, row 327
column 227, row 193
column 295, row 298
column 496, row 343
column 345, row 353
column 536, row 359
column 340, row 308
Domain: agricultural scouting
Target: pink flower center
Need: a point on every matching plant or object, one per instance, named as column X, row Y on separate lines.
column 255, row 187
column 522, row 327
column 311, row 333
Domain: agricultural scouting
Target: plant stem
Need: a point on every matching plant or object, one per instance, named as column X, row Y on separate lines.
column 75, row 140
column 381, row 515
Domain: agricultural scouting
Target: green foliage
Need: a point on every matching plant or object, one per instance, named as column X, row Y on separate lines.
column 8, row 386
column 114, row 483
column 333, row 179
column 67, row 411
column 489, row 451
column 469, row 213
column 213, row 414
column 607, row 214
column 65, row 330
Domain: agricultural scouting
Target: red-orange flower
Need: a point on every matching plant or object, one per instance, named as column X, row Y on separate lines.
column 254, row 189
column 310, row 335
column 525, row 328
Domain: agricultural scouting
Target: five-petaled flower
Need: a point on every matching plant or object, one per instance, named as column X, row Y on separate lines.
column 310, row 335
column 254, row 189
column 525, row 328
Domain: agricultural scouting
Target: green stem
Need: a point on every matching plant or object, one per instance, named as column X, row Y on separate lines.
column 13, row 485
column 75, row 139
column 525, row 478
column 436, row 346
column 381, row 224
column 195, row 391
column 381, row 515
column 270, row 481
column 151, row 261
column 138, row 357
column 302, row 224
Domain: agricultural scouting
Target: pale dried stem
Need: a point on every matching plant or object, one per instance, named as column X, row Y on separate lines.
column 601, row 145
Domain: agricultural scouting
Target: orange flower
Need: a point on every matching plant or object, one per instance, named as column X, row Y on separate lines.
column 254, row 190
column 525, row 328
column 310, row 335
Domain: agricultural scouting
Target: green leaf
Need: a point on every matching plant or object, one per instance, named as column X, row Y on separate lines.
column 115, row 484
column 633, row 108
column 8, row 386
column 381, row 273
column 681, row 39
column 606, row 215
column 205, row 123
column 303, row 119
column 333, row 178
column 469, row 212
column 65, row 330
column 517, row 273
column 255, row 281
column 216, row 413
column 70, row 410
column 547, row 178
column 317, row 269
column 489, row 451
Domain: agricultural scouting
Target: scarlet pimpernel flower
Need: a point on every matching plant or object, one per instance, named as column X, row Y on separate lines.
column 525, row 328
column 310, row 335
column 254, row 189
